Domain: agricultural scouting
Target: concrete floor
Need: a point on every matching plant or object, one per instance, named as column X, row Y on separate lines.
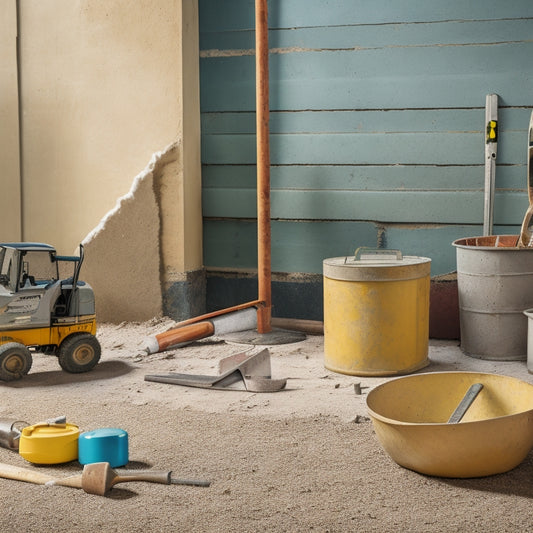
column 311, row 388
column 448, row 356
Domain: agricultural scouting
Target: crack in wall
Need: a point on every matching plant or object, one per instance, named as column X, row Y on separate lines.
column 122, row 253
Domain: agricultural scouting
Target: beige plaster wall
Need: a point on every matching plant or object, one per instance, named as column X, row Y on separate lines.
column 106, row 87
column 99, row 94
column 10, row 206
column 181, row 198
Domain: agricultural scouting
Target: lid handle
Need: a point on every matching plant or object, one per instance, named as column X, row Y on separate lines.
column 364, row 253
column 58, row 422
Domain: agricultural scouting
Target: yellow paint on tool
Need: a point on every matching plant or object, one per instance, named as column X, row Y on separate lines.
column 492, row 131
column 376, row 314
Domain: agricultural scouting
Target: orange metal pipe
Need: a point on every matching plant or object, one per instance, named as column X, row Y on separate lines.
column 192, row 332
column 264, row 273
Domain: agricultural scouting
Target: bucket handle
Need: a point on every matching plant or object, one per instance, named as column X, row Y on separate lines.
column 364, row 253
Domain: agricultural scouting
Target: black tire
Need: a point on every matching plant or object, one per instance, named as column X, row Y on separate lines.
column 15, row 361
column 79, row 353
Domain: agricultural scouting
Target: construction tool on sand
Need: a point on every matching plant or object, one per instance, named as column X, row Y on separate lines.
column 242, row 371
column 240, row 320
column 96, row 478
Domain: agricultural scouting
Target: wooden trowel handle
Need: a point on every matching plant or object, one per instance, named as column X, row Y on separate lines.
column 188, row 333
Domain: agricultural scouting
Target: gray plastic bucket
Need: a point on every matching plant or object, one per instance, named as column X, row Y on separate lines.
column 495, row 284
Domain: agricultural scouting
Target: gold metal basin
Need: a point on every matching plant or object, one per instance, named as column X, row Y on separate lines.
column 410, row 416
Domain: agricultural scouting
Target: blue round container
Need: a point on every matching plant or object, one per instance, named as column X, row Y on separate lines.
column 105, row 445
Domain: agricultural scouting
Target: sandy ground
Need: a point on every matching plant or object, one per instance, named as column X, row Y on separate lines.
column 303, row 459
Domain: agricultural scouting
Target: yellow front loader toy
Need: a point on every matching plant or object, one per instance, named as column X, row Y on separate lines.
column 44, row 307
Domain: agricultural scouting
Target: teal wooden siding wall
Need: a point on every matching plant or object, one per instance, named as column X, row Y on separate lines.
column 377, row 126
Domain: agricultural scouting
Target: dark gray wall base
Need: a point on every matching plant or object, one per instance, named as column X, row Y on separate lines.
column 296, row 297
column 185, row 298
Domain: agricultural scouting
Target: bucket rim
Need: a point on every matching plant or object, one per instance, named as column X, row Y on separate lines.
column 394, row 422
column 409, row 268
column 501, row 243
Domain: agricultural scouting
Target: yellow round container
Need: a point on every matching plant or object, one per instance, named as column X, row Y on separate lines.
column 49, row 444
column 376, row 313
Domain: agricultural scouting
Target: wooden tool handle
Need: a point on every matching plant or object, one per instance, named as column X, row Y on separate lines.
column 70, row 481
column 188, row 333
column 152, row 476
column 24, row 474
column 159, row 476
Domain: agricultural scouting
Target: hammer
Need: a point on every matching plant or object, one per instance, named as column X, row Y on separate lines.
column 96, row 478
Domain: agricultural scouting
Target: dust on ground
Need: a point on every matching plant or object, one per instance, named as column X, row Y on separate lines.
column 303, row 459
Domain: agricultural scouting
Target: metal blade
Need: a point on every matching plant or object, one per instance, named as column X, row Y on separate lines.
column 465, row 403
column 195, row 482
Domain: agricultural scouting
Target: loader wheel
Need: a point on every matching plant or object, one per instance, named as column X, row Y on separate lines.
column 15, row 361
column 79, row 353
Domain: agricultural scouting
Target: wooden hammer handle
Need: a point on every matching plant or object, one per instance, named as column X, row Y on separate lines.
column 24, row 474
column 152, row 476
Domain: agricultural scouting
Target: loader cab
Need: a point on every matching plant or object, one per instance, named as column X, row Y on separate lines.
column 26, row 265
column 37, row 286
column 27, row 272
column 44, row 308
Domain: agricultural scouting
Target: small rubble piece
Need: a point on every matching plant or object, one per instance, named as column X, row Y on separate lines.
column 358, row 419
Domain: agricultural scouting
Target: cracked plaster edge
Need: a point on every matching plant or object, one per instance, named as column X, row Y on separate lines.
column 156, row 159
column 130, row 296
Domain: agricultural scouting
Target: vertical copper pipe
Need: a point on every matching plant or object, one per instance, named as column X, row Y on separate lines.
column 264, row 276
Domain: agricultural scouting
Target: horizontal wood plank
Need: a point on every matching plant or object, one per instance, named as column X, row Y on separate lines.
column 375, row 121
column 392, row 78
column 347, row 36
column 364, row 149
column 365, row 178
column 305, row 13
column 413, row 207
column 302, row 246
column 296, row 247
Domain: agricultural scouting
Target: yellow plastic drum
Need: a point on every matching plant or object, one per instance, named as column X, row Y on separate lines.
column 376, row 313
column 49, row 444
